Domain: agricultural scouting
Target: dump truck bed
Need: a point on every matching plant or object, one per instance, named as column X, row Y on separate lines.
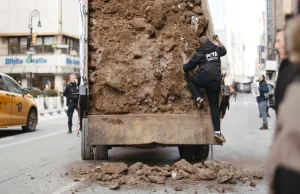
column 136, row 91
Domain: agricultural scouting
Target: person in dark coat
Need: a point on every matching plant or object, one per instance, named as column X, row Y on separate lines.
column 287, row 70
column 72, row 94
column 226, row 93
column 284, row 165
column 208, row 76
column 262, row 101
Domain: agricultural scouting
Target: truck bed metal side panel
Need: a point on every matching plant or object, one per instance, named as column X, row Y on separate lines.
column 168, row 129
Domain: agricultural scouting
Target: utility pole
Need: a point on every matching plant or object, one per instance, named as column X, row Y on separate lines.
column 31, row 40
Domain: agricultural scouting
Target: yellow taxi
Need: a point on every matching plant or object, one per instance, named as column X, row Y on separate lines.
column 17, row 107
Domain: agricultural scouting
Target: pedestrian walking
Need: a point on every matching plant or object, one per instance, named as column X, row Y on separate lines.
column 262, row 100
column 72, row 94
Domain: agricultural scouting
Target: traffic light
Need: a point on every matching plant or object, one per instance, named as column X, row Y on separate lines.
column 33, row 38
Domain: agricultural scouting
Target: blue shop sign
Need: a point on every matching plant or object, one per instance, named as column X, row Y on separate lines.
column 72, row 61
column 18, row 61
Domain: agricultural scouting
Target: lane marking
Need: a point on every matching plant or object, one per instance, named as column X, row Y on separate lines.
column 67, row 187
column 7, row 138
column 33, row 139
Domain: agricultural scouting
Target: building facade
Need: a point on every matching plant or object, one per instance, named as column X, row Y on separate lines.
column 55, row 53
column 217, row 8
column 281, row 8
column 273, row 20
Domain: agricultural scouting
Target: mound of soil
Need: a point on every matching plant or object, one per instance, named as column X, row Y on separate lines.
column 113, row 175
column 137, row 49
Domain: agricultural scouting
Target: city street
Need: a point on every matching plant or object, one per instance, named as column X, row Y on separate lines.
column 37, row 162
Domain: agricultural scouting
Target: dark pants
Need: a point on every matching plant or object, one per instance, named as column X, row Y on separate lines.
column 71, row 109
column 286, row 181
column 213, row 91
column 224, row 105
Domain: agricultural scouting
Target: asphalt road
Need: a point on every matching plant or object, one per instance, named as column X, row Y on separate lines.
column 37, row 162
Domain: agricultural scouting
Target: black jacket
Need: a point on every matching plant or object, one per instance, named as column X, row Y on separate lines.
column 263, row 88
column 286, row 75
column 72, row 93
column 208, row 57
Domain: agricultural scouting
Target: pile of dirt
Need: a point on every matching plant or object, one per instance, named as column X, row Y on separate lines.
column 136, row 52
column 113, row 175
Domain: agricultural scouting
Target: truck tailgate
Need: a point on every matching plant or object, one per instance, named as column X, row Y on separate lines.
column 165, row 129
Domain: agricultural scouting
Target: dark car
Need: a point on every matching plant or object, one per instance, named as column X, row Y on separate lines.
column 243, row 87
column 271, row 96
column 35, row 92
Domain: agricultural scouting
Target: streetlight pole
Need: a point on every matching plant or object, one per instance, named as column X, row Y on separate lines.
column 34, row 13
column 266, row 57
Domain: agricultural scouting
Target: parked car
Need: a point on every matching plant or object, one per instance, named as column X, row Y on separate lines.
column 271, row 96
column 244, row 87
column 35, row 92
column 17, row 107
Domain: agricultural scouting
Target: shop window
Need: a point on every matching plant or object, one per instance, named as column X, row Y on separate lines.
column 23, row 45
column 38, row 46
column 13, row 46
column 73, row 46
column 18, row 45
column 48, row 41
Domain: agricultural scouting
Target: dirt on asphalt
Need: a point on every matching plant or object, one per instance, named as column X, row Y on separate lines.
column 221, row 175
column 137, row 49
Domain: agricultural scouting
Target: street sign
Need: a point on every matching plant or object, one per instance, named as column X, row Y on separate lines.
column 31, row 51
column 60, row 46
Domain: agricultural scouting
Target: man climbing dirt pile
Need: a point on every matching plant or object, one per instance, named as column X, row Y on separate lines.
column 114, row 175
column 137, row 50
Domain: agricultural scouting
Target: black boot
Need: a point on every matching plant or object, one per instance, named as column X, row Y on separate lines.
column 70, row 130
column 264, row 127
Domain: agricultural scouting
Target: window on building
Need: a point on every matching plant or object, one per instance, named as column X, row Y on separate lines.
column 18, row 45
column 38, row 46
column 48, row 41
column 13, row 46
column 73, row 46
column 23, row 45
